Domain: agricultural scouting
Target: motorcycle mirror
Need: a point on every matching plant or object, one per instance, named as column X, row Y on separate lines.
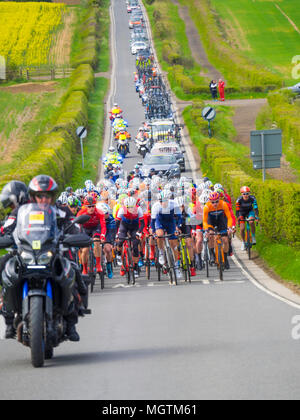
column 6, row 242
column 80, row 220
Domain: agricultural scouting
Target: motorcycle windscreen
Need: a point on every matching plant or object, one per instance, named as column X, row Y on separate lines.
column 36, row 225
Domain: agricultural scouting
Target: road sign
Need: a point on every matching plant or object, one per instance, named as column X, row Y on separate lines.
column 81, row 133
column 266, row 149
column 209, row 113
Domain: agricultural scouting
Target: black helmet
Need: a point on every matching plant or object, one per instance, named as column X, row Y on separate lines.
column 14, row 193
column 42, row 183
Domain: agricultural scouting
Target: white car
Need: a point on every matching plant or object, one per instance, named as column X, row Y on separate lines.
column 138, row 46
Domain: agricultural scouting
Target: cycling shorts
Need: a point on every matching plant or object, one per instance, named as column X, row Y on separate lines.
column 170, row 228
column 93, row 231
column 246, row 216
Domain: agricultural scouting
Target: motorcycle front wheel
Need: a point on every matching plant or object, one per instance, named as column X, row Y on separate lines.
column 36, row 331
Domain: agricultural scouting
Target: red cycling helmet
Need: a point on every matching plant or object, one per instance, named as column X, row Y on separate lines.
column 214, row 196
column 89, row 201
column 245, row 189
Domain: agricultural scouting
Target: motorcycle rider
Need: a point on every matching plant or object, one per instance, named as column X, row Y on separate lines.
column 112, row 157
column 13, row 195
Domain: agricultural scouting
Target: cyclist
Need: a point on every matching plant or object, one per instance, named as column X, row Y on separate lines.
column 246, row 207
column 95, row 227
column 111, row 158
column 163, row 220
column 73, row 204
column 216, row 213
column 130, row 220
column 186, row 229
column 111, row 229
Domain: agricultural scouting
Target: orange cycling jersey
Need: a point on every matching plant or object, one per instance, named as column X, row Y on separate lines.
column 216, row 216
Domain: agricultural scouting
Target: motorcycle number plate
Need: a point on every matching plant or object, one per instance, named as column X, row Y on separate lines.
column 37, row 218
column 36, row 245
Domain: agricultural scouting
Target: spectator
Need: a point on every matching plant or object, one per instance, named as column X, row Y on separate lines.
column 221, row 87
column 213, row 90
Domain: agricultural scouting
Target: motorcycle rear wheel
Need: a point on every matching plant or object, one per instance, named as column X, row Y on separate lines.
column 36, row 331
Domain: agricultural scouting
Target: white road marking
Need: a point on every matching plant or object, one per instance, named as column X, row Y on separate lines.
column 261, row 287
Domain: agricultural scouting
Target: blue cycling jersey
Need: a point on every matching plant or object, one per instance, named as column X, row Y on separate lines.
column 164, row 217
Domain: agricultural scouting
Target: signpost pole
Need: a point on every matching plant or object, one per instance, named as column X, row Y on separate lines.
column 263, row 156
column 209, row 129
column 82, row 156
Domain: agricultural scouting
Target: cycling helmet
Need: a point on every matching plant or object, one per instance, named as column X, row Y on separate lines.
column 245, row 189
column 14, row 193
column 89, row 201
column 214, row 196
column 165, row 196
column 103, row 207
column 72, row 201
column 42, row 183
column 221, row 193
column 69, row 190
column 209, row 185
column 218, row 187
column 111, row 149
column 204, row 197
column 130, row 202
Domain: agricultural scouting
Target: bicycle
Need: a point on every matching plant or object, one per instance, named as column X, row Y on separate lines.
column 127, row 260
column 248, row 242
column 205, row 254
column 219, row 253
column 169, row 266
column 185, row 257
column 92, row 273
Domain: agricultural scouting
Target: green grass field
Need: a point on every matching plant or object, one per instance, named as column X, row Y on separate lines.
column 265, row 31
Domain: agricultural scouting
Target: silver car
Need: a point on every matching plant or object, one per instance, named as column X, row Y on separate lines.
column 161, row 163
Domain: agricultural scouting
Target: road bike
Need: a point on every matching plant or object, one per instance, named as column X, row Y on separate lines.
column 205, row 254
column 169, row 267
column 185, row 257
column 127, row 260
column 219, row 253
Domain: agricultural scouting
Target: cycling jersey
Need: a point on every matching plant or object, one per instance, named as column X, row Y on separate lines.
column 244, row 207
column 164, row 217
column 219, row 216
column 130, row 216
column 96, row 220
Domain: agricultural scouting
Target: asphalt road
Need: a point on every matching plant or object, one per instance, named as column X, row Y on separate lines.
column 204, row 340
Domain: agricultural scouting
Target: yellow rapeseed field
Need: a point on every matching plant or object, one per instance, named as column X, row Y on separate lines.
column 27, row 30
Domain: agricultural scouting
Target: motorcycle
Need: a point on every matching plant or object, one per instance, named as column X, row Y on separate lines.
column 38, row 279
column 142, row 146
column 123, row 147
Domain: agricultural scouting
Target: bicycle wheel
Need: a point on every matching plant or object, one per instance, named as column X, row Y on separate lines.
column 206, row 259
column 171, row 264
column 187, row 264
column 220, row 261
column 91, row 269
column 249, row 241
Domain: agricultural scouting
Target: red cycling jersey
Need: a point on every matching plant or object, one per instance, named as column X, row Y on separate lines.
column 96, row 218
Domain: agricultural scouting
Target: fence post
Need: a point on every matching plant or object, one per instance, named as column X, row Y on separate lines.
column 27, row 74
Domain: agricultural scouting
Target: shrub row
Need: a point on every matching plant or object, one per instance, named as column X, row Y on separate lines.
column 279, row 202
column 89, row 41
column 237, row 69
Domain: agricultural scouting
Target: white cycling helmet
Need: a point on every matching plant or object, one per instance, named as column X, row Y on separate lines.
column 130, row 202
column 218, row 187
column 103, row 207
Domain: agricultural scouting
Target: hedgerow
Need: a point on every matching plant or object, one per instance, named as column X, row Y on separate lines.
column 279, row 202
